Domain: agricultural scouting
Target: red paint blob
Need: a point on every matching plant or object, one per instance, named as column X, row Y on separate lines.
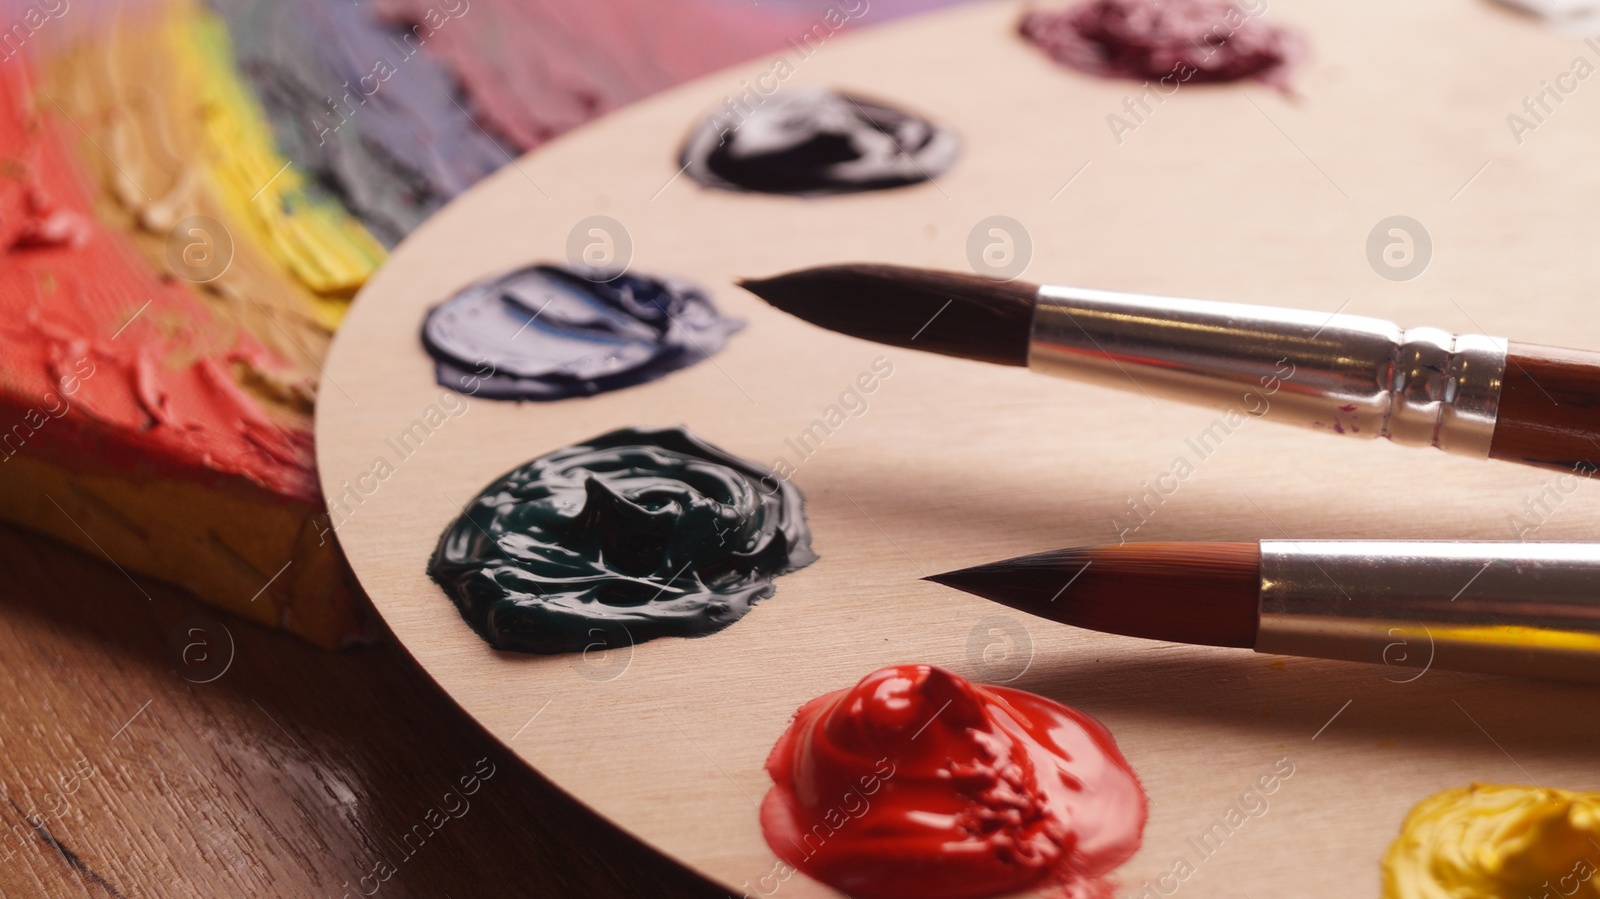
column 917, row 783
column 1187, row 41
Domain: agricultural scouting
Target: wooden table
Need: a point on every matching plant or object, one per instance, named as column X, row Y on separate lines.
column 295, row 772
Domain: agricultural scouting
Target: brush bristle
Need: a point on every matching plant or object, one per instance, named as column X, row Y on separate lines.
column 1205, row 593
column 941, row 312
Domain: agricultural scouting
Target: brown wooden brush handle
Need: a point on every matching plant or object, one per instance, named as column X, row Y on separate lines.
column 1549, row 409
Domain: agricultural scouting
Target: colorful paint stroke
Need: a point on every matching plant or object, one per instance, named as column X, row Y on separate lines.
column 127, row 397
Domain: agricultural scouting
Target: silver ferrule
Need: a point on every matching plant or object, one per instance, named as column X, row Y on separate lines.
column 1528, row 609
column 1346, row 374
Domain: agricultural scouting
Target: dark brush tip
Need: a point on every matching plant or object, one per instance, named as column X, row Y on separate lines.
column 940, row 312
column 1204, row 593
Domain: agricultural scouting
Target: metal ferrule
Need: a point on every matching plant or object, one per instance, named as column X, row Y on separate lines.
column 1529, row 609
column 1346, row 374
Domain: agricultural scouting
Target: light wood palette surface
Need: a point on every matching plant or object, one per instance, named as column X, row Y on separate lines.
column 1236, row 192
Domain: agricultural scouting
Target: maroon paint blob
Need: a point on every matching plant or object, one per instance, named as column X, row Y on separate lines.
column 1170, row 41
column 917, row 783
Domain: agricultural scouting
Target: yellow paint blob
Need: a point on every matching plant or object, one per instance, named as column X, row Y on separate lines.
column 1497, row 842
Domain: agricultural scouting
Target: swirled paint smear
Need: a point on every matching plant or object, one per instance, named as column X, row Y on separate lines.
column 812, row 141
column 1188, row 41
column 633, row 535
column 917, row 783
column 548, row 333
column 1485, row 841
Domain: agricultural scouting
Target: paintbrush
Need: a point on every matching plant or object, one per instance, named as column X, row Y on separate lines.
column 1345, row 374
column 1527, row 609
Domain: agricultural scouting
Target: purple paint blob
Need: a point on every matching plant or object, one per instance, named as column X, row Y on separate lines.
column 548, row 333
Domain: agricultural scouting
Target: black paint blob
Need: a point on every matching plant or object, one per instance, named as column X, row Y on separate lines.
column 548, row 333
column 632, row 535
column 811, row 141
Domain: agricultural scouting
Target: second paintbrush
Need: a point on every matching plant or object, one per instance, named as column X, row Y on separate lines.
column 1527, row 609
column 1362, row 377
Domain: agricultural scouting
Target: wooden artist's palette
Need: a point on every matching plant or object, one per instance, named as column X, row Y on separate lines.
column 1232, row 192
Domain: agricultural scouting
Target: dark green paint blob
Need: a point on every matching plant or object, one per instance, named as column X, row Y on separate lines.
column 633, row 535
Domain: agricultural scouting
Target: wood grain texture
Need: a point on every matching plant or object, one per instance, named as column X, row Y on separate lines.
column 293, row 773
column 1222, row 192
column 1550, row 409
